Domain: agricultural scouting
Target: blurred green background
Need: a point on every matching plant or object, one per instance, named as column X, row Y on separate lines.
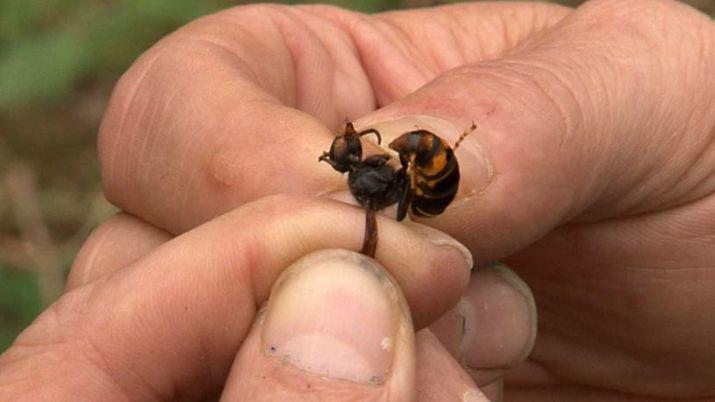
column 59, row 60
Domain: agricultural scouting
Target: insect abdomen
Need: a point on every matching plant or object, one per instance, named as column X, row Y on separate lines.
column 433, row 170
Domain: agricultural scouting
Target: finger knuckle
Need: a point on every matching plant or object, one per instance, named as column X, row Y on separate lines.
column 122, row 120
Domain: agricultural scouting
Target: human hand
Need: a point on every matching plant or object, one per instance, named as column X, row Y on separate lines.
column 594, row 138
column 598, row 141
column 149, row 318
column 597, row 136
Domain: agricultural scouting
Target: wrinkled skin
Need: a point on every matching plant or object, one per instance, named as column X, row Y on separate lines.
column 596, row 125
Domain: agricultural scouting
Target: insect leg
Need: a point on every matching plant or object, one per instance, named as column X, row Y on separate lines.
column 403, row 203
column 464, row 135
column 369, row 243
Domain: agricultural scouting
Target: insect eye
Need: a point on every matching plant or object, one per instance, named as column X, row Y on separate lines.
column 345, row 146
column 343, row 150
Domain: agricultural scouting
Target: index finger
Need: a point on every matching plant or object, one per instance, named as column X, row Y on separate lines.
column 170, row 324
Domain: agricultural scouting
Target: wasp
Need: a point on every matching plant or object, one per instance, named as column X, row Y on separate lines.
column 425, row 182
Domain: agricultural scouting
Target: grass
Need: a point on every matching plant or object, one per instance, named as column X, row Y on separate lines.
column 58, row 62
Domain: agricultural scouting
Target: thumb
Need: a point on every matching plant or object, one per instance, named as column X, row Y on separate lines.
column 336, row 327
column 608, row 113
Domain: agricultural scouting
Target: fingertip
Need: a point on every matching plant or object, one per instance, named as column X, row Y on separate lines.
column 336, row 313
column 493, row 328
column 335, row 324
column 442, row 239
column 500, row 320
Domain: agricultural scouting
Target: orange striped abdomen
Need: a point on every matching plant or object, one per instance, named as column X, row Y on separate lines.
column 432, row 170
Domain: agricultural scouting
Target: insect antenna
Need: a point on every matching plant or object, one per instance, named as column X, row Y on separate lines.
column 464, row 135
column 350, row 130
column 372, row 131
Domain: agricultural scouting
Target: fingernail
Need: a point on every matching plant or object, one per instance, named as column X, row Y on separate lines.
column 520, row 286
column 500, row 319
column 441, row 239
column 336, row 314
column 474, row 163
